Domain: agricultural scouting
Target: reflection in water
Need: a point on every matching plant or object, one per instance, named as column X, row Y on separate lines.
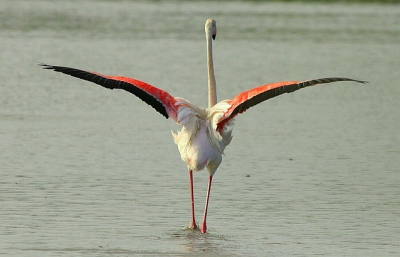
column 194, row 241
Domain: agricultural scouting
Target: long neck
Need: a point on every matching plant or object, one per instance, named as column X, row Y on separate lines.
column 212, row 91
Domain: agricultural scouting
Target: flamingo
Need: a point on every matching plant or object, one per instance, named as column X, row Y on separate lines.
column 206, row 132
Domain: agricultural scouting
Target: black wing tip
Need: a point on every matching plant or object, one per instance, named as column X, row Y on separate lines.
column 328, row 80
column 356, row 80
column 47, row 66
column 347, row 79
column 55, row 67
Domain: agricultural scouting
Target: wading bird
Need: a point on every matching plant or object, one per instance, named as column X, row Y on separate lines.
column 205, row 132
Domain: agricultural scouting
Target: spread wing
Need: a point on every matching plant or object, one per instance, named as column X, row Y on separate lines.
column 247, row 99
column 159, row 99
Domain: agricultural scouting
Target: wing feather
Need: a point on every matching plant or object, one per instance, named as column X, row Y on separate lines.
column 159, row 99
column 243, row 101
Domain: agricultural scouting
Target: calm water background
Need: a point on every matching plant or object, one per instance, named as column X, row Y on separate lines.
column 91, row 172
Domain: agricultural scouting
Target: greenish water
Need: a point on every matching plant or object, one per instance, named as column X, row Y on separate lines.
column 88, row 171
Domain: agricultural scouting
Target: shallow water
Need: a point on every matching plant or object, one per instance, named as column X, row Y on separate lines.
column 88, row 171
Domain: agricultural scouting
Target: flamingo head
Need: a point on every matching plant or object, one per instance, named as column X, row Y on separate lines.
column 211, row 28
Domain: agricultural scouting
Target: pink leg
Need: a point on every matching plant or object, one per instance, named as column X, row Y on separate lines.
column 192, row 224
column 204, row 225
